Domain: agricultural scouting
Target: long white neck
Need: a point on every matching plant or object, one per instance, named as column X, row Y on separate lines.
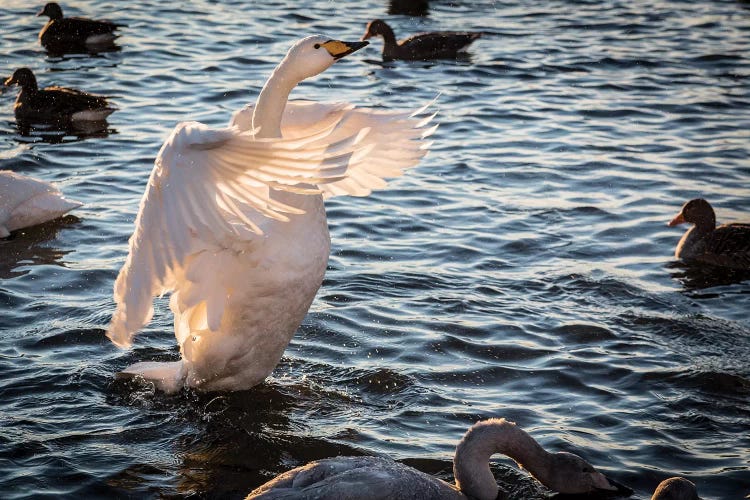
column 471, row 464
column 267, row 117
column 272, row 100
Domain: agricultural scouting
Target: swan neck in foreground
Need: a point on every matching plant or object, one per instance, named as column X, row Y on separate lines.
column 272, row 100
column 471, row 462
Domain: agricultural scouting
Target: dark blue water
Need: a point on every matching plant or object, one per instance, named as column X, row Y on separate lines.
column 523, row 270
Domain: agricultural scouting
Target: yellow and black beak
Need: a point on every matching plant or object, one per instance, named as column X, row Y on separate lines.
column 339, row 49
column 9, row 81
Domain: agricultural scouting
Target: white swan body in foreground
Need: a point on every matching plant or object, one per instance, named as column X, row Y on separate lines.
column 25, row 201
column 233, row 224
column 374, row 478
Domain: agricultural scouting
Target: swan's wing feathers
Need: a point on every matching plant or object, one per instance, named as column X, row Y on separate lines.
column 210, row 188
column 393, row 143
column 364, row 146
column 299, row 116
column 195, row 136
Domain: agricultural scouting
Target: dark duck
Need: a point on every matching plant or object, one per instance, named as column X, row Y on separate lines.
column 74, row 34
column 55, row 105
column 424, row 46
column 409, row 7
column 727, row 245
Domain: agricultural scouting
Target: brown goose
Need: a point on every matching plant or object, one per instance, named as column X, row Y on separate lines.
column 375, row 478
column 675, row 488
column 727, row 245
column 73, row 33
column 57, row 105
column 424, row 46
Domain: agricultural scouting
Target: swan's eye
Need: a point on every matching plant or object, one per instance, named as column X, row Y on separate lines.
column 317, row 45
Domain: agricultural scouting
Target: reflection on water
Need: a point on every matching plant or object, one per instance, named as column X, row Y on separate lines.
column 91, row 49
column 237, row 435
column 56, row 133
column 698, row 276
column 463, row 59
column 29, row 247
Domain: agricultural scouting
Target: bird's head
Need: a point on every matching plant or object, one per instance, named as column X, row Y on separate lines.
column 51, row 10
column 377, row 27
column 569, row 473
column 314, row 54
column 697, row 211
column 23, row 77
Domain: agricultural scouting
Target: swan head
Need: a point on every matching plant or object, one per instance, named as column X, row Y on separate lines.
column 698, row 212
column 569, row 473
column 314, row 54
column 562, row 472
column 24, row 78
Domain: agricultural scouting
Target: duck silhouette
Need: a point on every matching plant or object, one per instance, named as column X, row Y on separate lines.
column 423, row 46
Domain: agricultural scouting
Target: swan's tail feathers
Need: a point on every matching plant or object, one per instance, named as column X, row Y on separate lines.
column 168, row 377
column 58, row 204
column 41, row 208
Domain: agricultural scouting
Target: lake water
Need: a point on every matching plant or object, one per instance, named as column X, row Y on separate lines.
column 523, row 270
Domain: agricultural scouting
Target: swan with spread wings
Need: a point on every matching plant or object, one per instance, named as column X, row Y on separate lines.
column 233, row 225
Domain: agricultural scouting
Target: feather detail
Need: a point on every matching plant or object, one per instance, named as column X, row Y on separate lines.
column 215, row 188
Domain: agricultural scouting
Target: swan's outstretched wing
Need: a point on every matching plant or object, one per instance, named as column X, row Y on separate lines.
column 210, row 189
column 391, row 142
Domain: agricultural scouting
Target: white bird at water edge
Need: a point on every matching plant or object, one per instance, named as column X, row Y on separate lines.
column 26, row 201
column 233, row 224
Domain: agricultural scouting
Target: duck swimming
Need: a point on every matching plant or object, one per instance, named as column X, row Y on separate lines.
column 424, row 46
column 727, row 245
column 57, row 105
column 375, row 478
column 233, row 224
column 73, row 34
column 26, row 201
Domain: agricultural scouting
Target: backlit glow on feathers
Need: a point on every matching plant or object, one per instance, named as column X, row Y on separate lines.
column 26, row 201
column 233, row 226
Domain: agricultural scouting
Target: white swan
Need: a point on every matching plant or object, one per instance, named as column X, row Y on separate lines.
column 25, row 201
column 233, row 223
column 374, row 478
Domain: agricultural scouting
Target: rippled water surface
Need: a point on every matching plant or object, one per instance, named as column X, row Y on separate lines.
column 523, row 270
